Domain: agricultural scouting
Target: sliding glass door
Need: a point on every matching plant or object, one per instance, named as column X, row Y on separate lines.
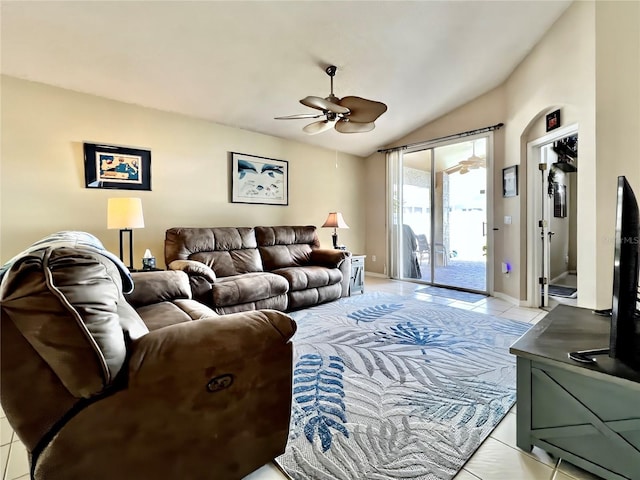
column 416, row 185
column 439, row 214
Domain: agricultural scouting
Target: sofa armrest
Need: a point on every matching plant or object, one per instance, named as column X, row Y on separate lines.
column 326, row 257
column 188, row 355
column 334, row 258
column 192, row 267
column 155, row 287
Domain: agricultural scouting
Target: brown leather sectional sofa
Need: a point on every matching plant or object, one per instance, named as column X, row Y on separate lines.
column 234, row 269
column 150, row 385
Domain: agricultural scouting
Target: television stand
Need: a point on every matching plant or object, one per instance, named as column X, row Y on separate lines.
column 586, row 413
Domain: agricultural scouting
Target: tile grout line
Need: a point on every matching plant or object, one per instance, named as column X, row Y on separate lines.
column 554, row 468
column 6, row 465
column 470, row 473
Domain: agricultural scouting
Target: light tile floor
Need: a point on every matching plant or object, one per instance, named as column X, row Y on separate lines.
column 498, row 458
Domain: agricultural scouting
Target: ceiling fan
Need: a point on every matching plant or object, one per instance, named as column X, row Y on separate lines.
column 347, row 115
column 471, row 163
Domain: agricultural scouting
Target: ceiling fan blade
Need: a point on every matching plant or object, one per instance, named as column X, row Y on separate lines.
column 363, row 110
column 474, row 159
column 302, row 115
column 322, row 104
column 347, row 126
column 454, row 169
column 318, row 127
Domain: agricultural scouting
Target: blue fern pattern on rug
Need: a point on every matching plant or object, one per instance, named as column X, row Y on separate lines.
column 420, row 335
column 371, row 314
column 319, row 391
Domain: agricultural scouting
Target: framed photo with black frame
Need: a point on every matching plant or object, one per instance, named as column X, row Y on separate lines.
column 111, row 166
column 510, row 181
column 259, row 180
column 553, row 120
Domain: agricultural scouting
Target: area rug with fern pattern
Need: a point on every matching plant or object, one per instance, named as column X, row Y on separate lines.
column 392, row 387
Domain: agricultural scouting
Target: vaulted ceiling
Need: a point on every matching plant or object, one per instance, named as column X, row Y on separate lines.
column 242, row 63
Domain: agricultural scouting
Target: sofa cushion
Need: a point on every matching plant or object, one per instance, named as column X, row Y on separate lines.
column 232, row 262
column 165, row 313
column 280, row 256
column 227, row 251
column 313, row 296
column 247, row 288
column 287, row 235
column 286, row 246
column 278, row 302
column 158, row 287
column 302, row 278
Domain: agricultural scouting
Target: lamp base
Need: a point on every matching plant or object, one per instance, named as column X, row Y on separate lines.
column 129, row 232
column 334, row 235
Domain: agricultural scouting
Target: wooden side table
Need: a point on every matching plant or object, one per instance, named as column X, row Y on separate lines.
column 356, row 285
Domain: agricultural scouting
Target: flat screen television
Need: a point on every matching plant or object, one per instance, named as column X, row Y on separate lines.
column 624, row 339
column 625, row 335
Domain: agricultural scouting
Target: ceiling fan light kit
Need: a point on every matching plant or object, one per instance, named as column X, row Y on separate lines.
column 347, row 115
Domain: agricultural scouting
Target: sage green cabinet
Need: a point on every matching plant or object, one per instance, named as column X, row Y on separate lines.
column 587, row 414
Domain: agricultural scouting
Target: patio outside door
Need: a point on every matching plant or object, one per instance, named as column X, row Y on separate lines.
column 443, row 215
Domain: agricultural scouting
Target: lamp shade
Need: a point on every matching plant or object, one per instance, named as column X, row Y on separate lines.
column 124, row 213
column 335, row 220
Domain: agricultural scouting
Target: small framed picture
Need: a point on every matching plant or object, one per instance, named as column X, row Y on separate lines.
column 553, row 120
column 122, row 168
column 510, row 181
column 259, row 180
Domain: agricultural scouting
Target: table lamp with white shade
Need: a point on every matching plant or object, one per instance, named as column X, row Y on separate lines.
column 335, row 221
column 125, row 214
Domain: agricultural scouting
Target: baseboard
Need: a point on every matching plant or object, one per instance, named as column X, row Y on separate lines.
column 559, row 277
column 507, row 298
column 374, row 274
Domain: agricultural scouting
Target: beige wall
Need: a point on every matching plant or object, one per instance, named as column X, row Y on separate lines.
column 558, row 73
column 42, row 172
column 618, row 124
column 593, row 43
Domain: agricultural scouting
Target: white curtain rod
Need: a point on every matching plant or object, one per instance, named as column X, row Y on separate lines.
column 447, row 137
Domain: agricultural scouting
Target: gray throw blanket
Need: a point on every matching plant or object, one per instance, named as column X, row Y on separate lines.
column 71, row 239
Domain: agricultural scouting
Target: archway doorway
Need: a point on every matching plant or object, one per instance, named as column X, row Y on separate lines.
column 552, row 218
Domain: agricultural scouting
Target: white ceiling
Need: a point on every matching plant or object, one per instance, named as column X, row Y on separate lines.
column 242, row 63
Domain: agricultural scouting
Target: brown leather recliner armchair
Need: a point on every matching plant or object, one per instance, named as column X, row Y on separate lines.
column 96, row 389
